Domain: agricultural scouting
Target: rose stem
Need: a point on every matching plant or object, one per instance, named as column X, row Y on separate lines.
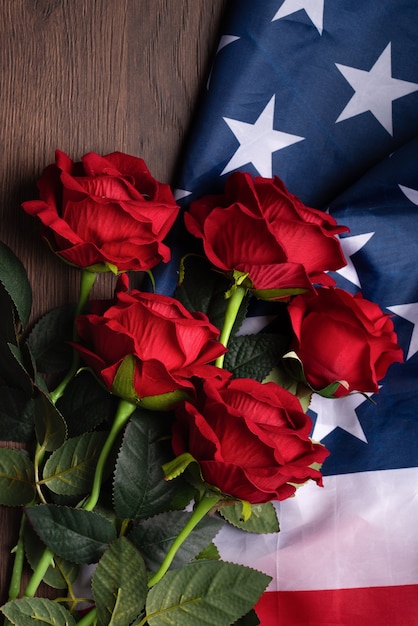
column 89, row 618
column 86, row 285
column 203, row 507
column 237, row 296
column 38, row 573
column 14, row 588
column 123, row 413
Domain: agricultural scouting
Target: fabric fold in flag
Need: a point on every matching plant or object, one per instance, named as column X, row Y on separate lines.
column 325, row 96
column 341, row 558
column 316, row 107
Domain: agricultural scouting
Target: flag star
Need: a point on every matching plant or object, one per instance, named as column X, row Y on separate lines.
column 411, row 194
column 337, row 412
column 375, row 90
column 258, row 141
column 254, row 324
column 225, row 41
column 409, row 312
column 351, row 245
column 313, row 8
column 179, row 194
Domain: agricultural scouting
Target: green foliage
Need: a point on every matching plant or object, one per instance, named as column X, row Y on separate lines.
column 15, row 281
column 8, row 330
column 57, row 576
column 30, row 611
column 140, row 511
column 70, row 469
column 204, row 592
column 50, row 426
column 11, row 372
column 263, row 518
column 139, row 488
column 48, row 340
column 86, row 404
column 119, row 584
column 17, row 480
column 123, row 382
column 74, row 534
column 203, row 289
column 16, row 415
column 210, row 552
column 251, row 619
column 12, row 367
column 177, row 466
column 154, row 536
column 254, row 356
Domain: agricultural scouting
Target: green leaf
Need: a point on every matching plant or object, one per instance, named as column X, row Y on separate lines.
column 16, row 415
column 24, row 354
column 48, row 340
column 294, row 366
column 212, row 593
column 70, row 469
column 178, row 465
column 210, row 552
column 8, row 330
column 139, row 488
column 14, row 278
column 86, row 404
column 74, row 534
column 263, row 518
column 251, row 619
column 119, row 584
column 281, row 376
column 17, row 480
column 12, row 369
column 203, row 289
column 184, row 495
column 57, row 576
column 154, row 536
column 50, row 426
column 30, row 611
column 254, row 356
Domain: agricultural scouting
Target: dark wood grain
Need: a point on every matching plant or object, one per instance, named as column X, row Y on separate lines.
column 82, row 75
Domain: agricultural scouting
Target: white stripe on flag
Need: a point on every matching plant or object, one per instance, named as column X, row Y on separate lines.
column 360, row 530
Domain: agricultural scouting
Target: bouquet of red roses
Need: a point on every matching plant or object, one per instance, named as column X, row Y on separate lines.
column 158, row 418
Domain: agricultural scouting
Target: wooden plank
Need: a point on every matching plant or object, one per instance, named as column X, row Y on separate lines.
column 82, row 75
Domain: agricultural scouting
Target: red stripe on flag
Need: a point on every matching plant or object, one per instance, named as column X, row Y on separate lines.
column 372, row 606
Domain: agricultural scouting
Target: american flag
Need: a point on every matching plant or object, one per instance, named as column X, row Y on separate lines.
column 324, row 94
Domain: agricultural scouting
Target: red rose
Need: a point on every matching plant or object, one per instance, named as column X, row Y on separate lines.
column 105, row 211
column 340, row 337
column 147, row 345
column 259, row 228
column 250, row 439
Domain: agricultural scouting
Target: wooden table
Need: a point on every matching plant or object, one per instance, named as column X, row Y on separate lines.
column 91, row 75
